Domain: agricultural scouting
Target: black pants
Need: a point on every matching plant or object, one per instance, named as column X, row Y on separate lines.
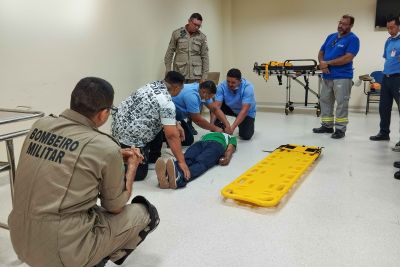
column 246, row 127
column 189, row 138
column 389, row 92
column 151, row 152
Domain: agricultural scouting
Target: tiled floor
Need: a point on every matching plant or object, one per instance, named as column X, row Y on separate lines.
column 345, row 212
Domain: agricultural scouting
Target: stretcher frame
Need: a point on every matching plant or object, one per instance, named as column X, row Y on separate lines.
column 292, row 69
column 8, row 116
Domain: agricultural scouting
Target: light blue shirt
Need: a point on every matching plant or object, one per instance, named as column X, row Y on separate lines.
column 235, row 100
column 188, row 101
column 392, row 55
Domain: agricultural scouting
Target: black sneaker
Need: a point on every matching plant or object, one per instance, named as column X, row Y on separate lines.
column 322, row 129
column 397, row 175
column 396, row 164
column 338, row 134
column 379, row 137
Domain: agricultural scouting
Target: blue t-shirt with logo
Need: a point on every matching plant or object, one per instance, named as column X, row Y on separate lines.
column 235, row 100
column 188, row 101
column 335, row 47
column 392, row 55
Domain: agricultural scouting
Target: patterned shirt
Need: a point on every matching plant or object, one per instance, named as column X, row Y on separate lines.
column 141, row 116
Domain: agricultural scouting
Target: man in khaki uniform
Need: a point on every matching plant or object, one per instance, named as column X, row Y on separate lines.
column 66, row 164
column 189, row 45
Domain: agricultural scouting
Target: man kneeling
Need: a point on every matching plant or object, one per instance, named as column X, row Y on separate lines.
column 66, row 165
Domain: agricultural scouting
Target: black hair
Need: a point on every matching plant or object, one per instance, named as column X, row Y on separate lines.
column 196, row 16
column 209, row 86
column 234, row 73
column 349, row 17
column 174, row 77
column 391, row 18
column 91, row 95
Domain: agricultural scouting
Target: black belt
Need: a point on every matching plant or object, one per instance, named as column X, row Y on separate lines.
column 392, row 75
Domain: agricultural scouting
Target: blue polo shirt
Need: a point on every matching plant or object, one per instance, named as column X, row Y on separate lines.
column 335, row 47
column 391, row 54
column 188, row 101
column 243, row 95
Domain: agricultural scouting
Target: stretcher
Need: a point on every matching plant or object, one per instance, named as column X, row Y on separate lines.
column 267, row 182
column 292, row 70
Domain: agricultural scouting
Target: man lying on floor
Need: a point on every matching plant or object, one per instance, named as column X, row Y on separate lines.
column 212, row 149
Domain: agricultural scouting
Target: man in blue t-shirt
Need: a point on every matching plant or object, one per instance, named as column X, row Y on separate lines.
column 336, row 63
column 235, row 97
column 391, row 80
column 188, row 105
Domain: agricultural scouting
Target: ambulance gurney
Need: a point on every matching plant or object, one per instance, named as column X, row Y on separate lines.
column 293, row 69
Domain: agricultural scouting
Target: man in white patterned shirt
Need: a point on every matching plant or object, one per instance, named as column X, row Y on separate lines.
column 143, row 116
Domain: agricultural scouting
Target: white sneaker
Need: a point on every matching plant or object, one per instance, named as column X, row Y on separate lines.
column 161, row 171
column 396, row 148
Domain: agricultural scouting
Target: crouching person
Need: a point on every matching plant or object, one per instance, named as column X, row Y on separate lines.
column 66, row 165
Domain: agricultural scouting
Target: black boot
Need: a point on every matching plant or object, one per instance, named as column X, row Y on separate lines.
column 322, row 129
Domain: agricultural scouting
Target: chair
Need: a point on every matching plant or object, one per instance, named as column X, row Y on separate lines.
column 213, row 76
column 373, row 94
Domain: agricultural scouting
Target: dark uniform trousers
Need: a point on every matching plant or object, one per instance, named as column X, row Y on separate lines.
column 246, row 127
column 389, row 92
column 151, row 152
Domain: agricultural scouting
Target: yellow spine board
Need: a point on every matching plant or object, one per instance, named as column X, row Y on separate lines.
column 267, row 182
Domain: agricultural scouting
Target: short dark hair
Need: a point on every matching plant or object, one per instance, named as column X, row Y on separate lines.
column 209, row 86
column 91, row 95
column 391, row 18
column 196, row 16
column 234, row 73
column 349, row 17
column 174, row 77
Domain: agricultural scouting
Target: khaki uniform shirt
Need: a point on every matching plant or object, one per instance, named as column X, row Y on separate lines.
column 191, row 54
column 66, row 164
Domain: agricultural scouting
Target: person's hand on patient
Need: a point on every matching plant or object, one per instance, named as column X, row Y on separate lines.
column 185, row 170
column 229, row 130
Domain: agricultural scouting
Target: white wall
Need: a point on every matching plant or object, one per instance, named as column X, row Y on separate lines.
column 285, row 29
column 46, row 46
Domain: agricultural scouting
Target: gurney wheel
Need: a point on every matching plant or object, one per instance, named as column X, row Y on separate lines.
column 318, row 112
column 291, row 109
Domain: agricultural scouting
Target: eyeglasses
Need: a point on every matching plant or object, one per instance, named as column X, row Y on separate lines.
column 112, row 108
